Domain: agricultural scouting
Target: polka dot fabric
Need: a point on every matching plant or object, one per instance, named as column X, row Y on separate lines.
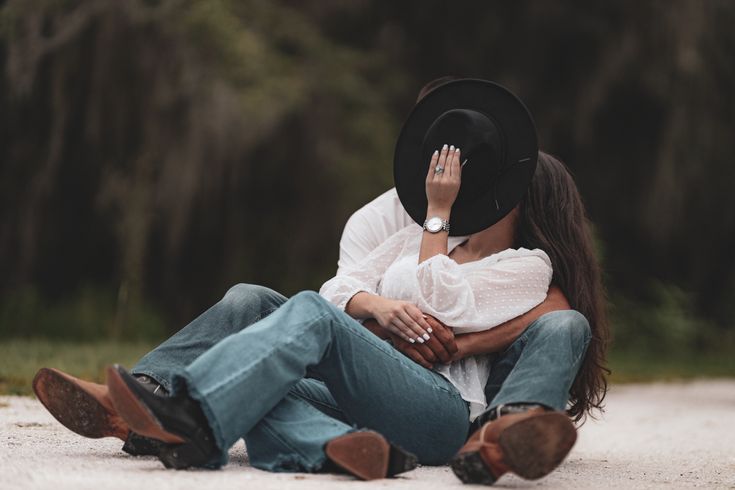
column 469, row 297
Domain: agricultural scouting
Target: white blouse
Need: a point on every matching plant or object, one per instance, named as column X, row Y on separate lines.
column 469, row 297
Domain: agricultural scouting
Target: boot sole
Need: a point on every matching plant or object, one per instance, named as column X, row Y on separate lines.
column 532, row 448
column 74, row 407
column 138, row 416
column 369, row 456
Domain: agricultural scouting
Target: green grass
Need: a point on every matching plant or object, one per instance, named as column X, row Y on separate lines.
column 646, row 367
column 21, row 358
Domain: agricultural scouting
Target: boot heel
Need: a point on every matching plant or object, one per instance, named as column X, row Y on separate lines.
column 470, row 468
column 181, row 456
column 369, row 456
column 400, row 461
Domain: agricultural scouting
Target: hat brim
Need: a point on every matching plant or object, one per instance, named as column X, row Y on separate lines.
column 520, row 156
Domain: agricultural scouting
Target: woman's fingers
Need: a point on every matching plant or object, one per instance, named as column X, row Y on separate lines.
column 454, row 169
column 442, row 162
column 419, row 332
column 419, row 318
column 406, row 332
column 450, row 160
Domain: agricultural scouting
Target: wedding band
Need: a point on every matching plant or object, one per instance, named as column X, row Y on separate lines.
column 438, row 169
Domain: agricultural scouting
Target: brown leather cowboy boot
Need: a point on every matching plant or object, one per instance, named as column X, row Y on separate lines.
column 367, row 455
column 81, row 406
column 530, row 444
column 86, row 408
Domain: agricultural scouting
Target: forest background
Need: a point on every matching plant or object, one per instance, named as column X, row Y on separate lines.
column 155, row 152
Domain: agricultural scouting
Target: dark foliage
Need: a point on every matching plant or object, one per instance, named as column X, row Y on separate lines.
column 159, row 151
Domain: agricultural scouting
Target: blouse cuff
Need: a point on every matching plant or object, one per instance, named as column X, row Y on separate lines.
column 340, row 290
column 342, row 304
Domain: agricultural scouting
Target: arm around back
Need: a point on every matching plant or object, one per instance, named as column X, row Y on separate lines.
column 501, row 337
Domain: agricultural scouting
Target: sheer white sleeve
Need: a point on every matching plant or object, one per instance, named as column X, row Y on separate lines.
column 366, row 274
column 370, row 226
column 509, row 284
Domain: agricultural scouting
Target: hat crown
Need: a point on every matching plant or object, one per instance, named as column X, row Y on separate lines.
column 470, row 130
column 481, row 143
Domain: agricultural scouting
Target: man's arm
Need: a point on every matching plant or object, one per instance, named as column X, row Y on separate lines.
column 370, row 226
column 499, row 338
column 444, row 347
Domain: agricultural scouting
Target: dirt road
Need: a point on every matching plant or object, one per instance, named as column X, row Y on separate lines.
column 679, row 435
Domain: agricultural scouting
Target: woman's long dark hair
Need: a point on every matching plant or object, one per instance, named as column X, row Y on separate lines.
column 552, row 217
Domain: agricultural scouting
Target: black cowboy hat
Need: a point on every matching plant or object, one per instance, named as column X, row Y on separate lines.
column 497, row 138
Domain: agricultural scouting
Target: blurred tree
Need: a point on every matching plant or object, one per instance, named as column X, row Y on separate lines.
column 170, row 148
column 177, row 147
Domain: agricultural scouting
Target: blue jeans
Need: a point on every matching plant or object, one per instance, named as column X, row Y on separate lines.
column 258, row 384
column 539, row 367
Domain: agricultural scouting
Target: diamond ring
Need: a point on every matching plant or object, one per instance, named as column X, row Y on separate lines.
column 438, row 169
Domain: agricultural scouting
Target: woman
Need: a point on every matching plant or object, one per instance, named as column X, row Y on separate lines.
column 217, row 401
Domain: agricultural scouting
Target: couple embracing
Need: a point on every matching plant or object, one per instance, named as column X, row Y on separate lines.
column 465, row 326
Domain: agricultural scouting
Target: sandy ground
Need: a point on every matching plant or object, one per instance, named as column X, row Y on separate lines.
column 652, row 436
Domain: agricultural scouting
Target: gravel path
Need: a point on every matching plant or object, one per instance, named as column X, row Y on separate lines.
column 678, row 435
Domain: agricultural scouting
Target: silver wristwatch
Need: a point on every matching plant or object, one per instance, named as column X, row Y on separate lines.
column 436, row 224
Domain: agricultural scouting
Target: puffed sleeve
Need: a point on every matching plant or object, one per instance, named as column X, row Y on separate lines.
column 366, row 274
column 503, row 286
column 370, row 226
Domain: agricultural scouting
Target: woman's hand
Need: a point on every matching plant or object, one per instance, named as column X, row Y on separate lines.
column 401, row 318
column 443, row 180
column 440, row 348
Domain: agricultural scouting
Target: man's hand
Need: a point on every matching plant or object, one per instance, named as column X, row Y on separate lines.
column 441, row 347
column 444, row 347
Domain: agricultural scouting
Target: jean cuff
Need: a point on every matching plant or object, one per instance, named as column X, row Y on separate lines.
column 182, row 383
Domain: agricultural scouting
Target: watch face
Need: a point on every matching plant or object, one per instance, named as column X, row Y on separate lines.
column 434, row 224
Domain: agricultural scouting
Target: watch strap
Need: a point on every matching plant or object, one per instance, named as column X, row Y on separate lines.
column 445, row 225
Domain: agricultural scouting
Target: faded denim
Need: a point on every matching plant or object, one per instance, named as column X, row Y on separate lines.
column 540, row 366
column 241, row 306
column 245, row 383
column 282, row 439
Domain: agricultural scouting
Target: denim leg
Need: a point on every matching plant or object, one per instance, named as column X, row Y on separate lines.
column 540, row 366
column 291, row 436
column 242, row 305
column 316, row 393
column 245, row 376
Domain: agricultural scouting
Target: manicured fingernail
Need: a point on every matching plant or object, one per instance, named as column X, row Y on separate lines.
column 451, row 148
column 444, row 147
column 436, row 152
column 421, row 341
column 430, row 330
column 412, row 341
column 457, row 149
column 426, row 336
